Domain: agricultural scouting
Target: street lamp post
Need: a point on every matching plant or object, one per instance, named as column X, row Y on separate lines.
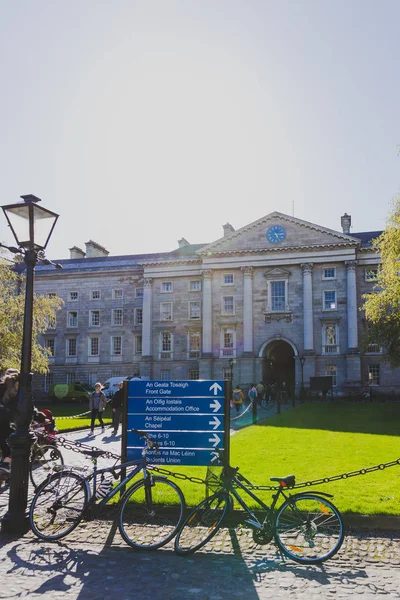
column 32, row 226
column 231, row 363
column 302, row 360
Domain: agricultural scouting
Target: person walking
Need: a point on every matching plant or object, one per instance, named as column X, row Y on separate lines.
column 116, row 406
column 252, row 393
column 97, row 404
column 237, row 398
column 8, row 406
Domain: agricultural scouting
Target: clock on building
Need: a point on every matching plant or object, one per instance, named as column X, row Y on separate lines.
column 276, row 234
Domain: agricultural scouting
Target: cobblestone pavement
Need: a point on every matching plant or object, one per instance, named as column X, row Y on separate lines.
column 93, row 563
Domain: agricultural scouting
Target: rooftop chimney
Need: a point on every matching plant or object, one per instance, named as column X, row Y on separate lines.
column 346, row 223
column 228, row 229
column 76, row 252
column 182, row 242
column 94, row 250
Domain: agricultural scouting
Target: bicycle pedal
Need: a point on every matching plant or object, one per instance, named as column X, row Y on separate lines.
column 254, row 524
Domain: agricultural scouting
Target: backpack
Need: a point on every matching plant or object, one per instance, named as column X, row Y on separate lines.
column 236, row 396
column 252, row 394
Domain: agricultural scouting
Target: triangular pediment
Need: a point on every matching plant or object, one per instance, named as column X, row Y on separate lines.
column 276, row 232
column 276, row 273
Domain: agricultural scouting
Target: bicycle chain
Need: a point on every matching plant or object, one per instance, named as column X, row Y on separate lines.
column 79, row 447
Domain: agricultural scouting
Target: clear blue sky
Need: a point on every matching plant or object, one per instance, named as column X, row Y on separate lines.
column 144, row 122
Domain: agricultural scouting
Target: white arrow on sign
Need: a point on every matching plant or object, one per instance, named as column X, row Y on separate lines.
column 215, row 440
column 215, row 405
column 215, row 387
column 215, row 422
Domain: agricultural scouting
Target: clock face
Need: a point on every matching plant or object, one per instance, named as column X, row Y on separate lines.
column 276, row 234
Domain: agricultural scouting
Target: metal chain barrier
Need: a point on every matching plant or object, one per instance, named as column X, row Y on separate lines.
column 74, row 416
column 243, row 413
column 79, row 447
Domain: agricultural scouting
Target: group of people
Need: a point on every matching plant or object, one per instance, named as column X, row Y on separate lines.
column 257, row 393
column 98, row 403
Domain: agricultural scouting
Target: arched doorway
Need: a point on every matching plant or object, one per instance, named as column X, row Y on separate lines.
column 278, row 366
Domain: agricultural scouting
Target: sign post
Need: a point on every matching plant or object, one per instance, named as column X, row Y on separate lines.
column 188, row 419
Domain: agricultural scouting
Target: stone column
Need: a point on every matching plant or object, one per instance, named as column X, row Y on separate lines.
column 207, row 314
column 352, row 328
column 248, row 310
column 308, row 307
column 146, row 317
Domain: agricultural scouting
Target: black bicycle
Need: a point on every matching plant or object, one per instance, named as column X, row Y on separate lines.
column 307, row 527
column 150, row 511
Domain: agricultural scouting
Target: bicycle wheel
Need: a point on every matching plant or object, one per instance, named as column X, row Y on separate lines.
column 45, row 461
column 58, row 505
column 202, row 523
column 151, row 513
column 309, row 529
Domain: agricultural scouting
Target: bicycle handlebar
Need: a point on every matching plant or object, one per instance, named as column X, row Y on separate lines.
column 150, row 443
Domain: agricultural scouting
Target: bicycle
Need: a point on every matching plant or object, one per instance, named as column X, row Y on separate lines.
column 150, row 511
column 307, row 527
column 44, row 459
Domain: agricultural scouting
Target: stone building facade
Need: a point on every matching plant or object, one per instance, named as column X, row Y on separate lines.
column 277, row 300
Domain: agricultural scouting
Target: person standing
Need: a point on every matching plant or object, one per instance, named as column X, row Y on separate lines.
column 237, row 398
column 97, row 404
column 8, row 405
column 116, row 406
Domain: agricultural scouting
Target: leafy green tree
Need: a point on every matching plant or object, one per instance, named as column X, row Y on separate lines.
column 382, row 306
column 12, row 306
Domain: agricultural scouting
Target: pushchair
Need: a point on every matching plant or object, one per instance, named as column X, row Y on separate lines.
column 44, row 426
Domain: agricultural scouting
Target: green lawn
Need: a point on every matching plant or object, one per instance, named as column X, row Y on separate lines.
column 312, row 441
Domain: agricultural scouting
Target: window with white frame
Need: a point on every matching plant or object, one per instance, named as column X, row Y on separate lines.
column 51, row 322
column 117, row 316
column 371, row 274
column 166, row 287
column 331, row 370
column 329, row 273
column 116, row 345
column 138, row 344
column 117, row 294
column 165, row 311
column 71, row 347
column 330, row 300
column 194, row 344
column 73, row 296
column 94, row 318
column 48, row 381
column 139, row 292
column 72, row 318
column 94, row 346
column 374, row 349
column 195, row 285
column 138, row 316
column 165, row 344
column 330, row 338
column 194, row 310
column 71, row 377
column 278, row 296
column 165, row 375
column 228, row 341
column 374, row 374
column 194, row 374
column 227, row 279
column 228, row 305
column 95, row 295
column 226, row 373
column 49, row 344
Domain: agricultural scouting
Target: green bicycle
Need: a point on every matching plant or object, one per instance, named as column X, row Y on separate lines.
column 307, row 527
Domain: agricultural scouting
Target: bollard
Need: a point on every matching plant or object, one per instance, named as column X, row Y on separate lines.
column 278, row 404
column 254, row 412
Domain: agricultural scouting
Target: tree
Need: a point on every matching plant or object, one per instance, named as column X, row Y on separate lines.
column 12, row 305
column 382, row 306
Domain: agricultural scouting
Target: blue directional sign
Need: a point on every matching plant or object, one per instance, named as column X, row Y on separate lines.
column 185, row 418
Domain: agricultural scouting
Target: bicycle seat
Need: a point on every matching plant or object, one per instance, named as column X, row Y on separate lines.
column 94, row 453
column 288, row 481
